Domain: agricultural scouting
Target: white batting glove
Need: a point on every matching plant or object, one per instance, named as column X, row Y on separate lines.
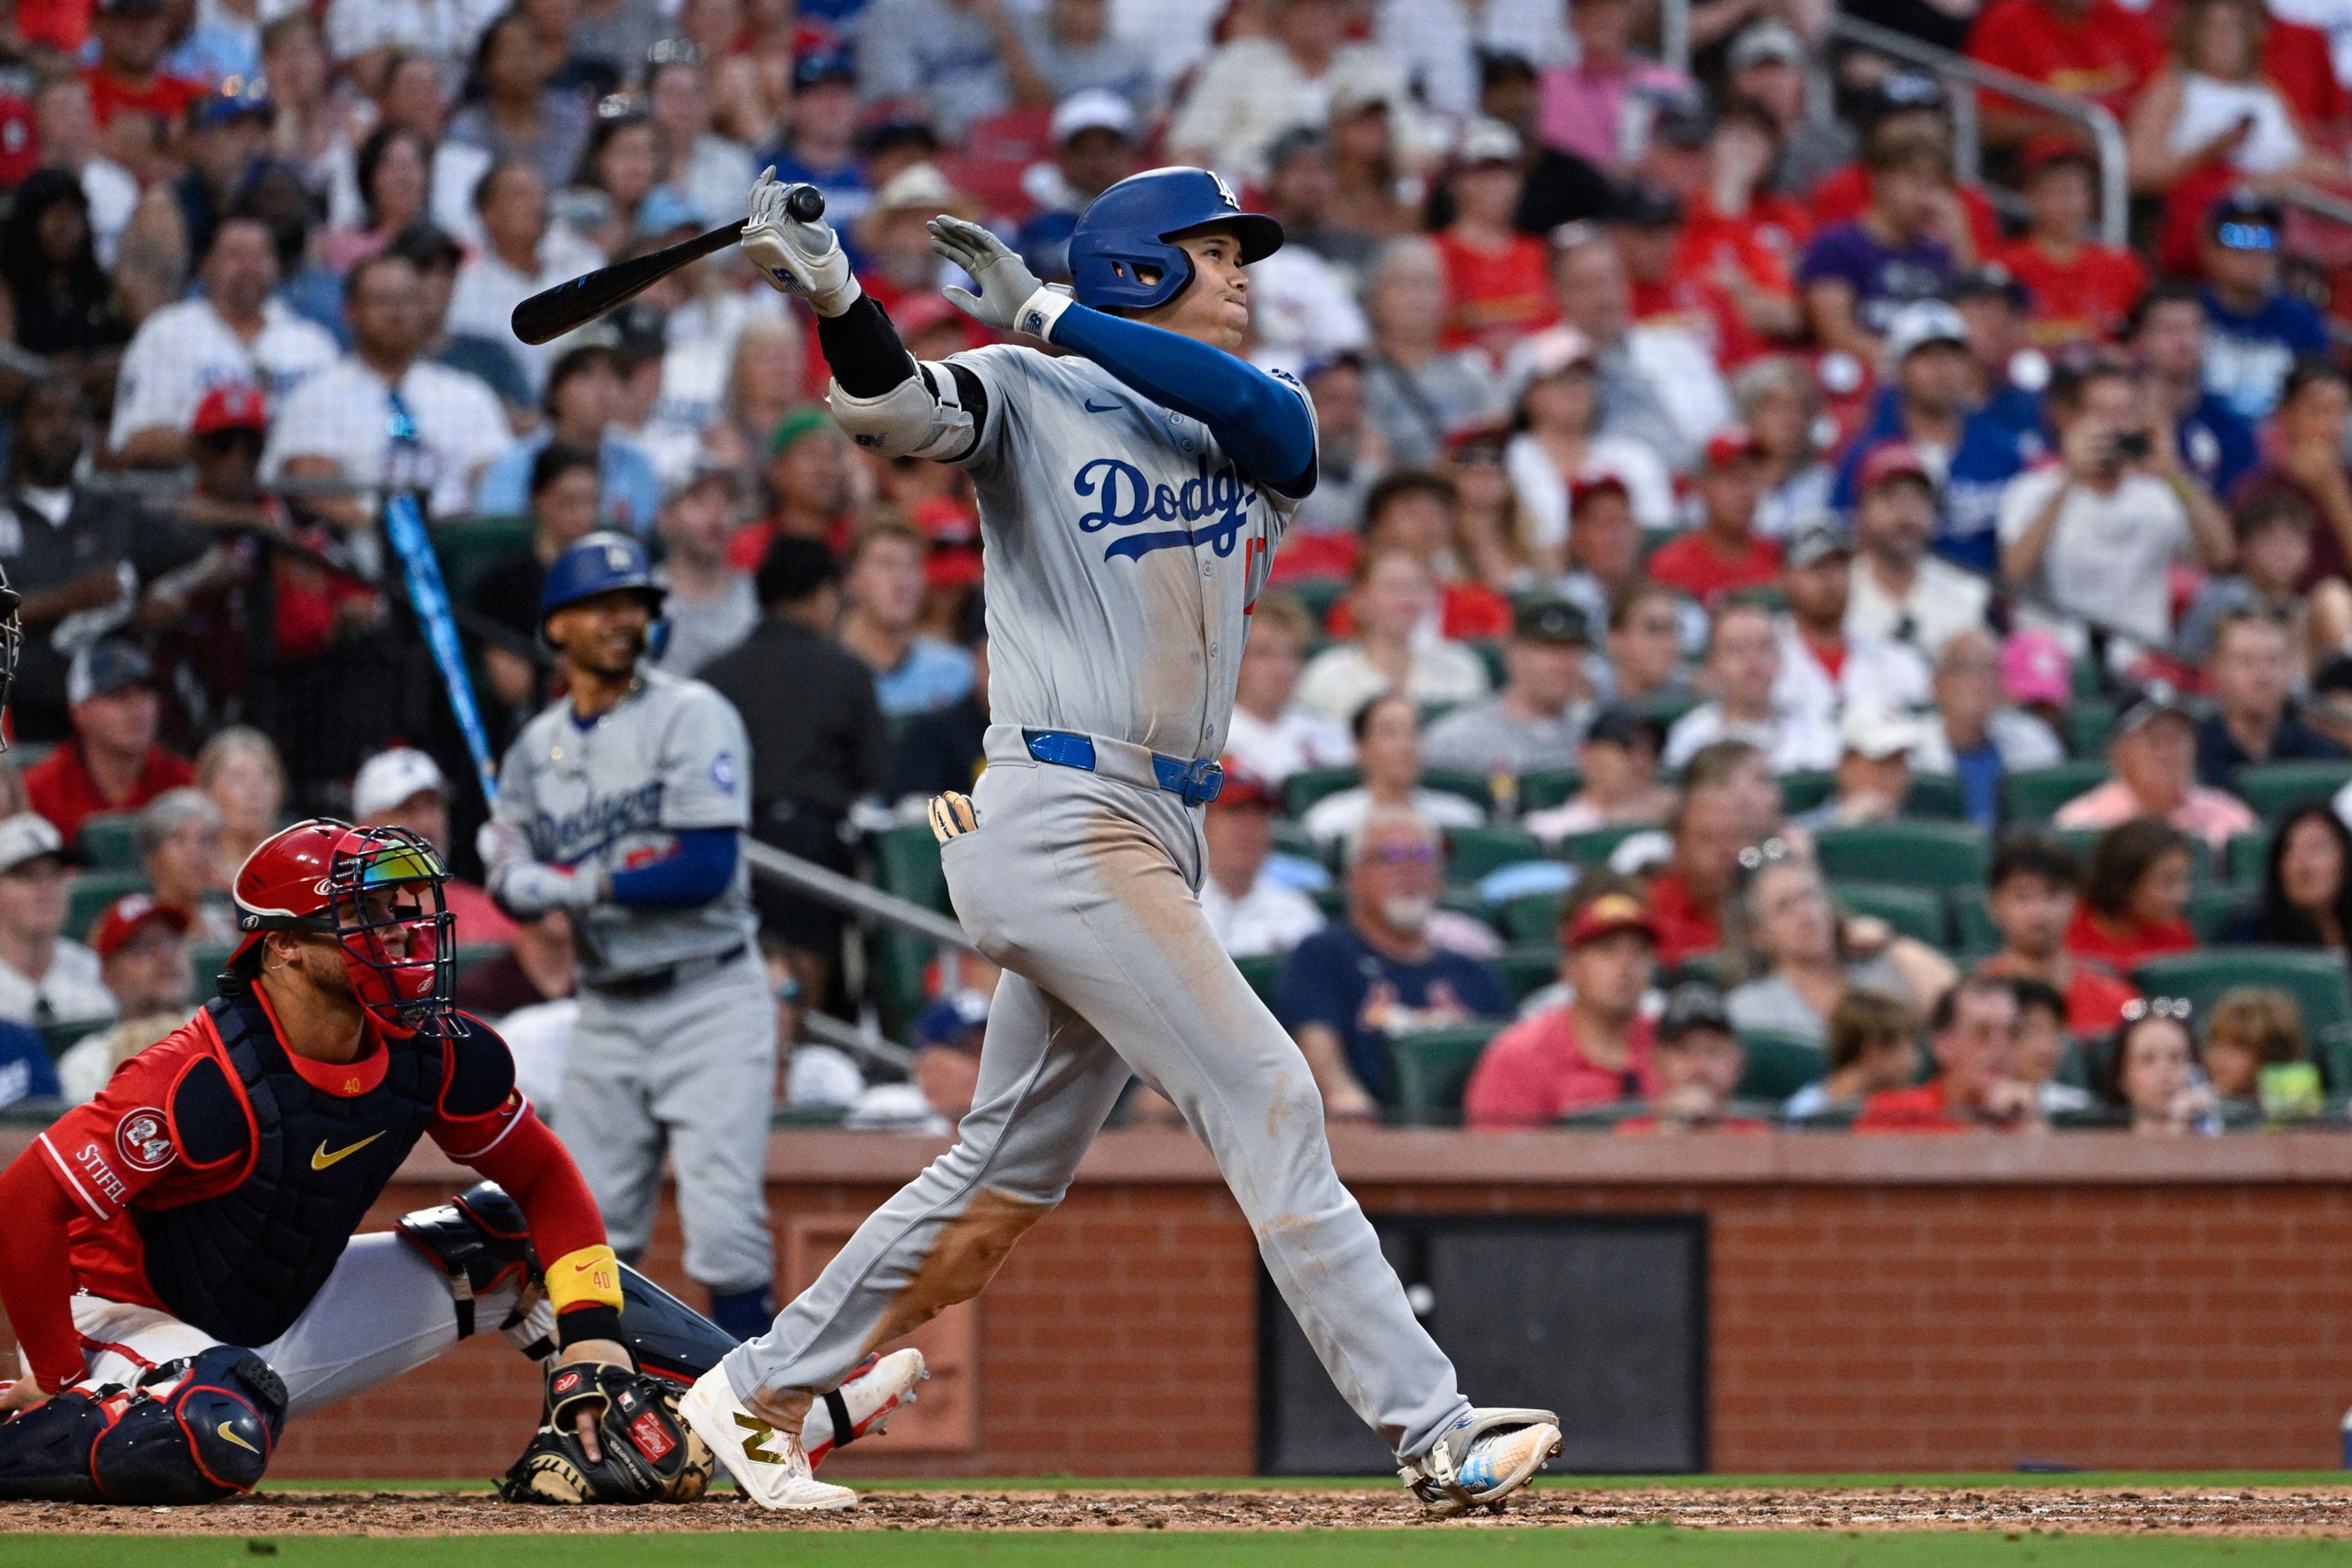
column 529, row 889
column 795, row 257
column 499, row 842
column 1010, row 300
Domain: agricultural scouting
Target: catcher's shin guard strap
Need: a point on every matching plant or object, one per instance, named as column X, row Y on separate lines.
column 845, row 1431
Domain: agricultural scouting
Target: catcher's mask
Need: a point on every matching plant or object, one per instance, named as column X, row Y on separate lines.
column 378, row 892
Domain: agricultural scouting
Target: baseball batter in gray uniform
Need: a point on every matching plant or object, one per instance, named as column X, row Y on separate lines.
column 1131, row 493
column 623, row 805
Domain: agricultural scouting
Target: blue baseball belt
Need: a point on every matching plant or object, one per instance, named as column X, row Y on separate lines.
column 1196, row 782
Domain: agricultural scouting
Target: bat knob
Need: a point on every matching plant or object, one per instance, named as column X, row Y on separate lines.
column 805, row 203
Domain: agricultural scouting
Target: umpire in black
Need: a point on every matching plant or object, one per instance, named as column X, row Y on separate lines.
column 818, row 742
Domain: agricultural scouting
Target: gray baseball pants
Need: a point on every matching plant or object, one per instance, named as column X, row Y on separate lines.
column 692, row 1071
column 1083, row 886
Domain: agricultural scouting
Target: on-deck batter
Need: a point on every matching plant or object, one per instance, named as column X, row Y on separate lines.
column 1131, row 496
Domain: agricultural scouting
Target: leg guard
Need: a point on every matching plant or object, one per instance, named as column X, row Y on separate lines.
column 669, row 1339
column 481, row 1241
column 194, row 1431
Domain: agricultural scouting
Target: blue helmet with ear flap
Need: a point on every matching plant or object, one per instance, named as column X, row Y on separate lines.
column 1129, row 227
column 603, row 562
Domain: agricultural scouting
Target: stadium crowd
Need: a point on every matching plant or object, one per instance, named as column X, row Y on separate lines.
column 1780, row 636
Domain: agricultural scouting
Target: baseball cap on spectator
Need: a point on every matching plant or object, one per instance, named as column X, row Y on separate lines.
column 425, row 244
column 1770, row 39
column 390, row 779
column 955, row 1022
column 127, row 916
column 236, row 98
column 2034, row 670
column 953, row 560
column 1904, row 93
column 128, row 7
column 1875, row 730
column 792, row 569
column 1606, row 916
column 1990, row 281
column 2243, row 220
column 641, row 332
column 1815, row 539
column 2048, row 151
column 821, row 67
column 2138, row 707
column 27, row 838
column 919, row 185
column 1553, row 351
column 1553, row 621
column 232, row 405
column 1921, row 323
column 797, row 426
column 1095, row 108
column 2334, row 674
column 1487, row 141
column 895, row 130
column 1646, row 206
column 702, row 470
column 1684, row 119
column 1245, row 787
column 1693, row 1004
column 103, row 668
column 1640, row 854
column 1592, row 482
column 1732, row 443
column 1357, row 94
column 1621, row 724
column 665, row 207
column 1891, row 460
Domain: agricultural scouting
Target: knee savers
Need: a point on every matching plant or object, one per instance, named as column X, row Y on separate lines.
column 195, row 1431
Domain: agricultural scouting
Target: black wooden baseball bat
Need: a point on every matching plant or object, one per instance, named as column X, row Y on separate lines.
column 554, row 311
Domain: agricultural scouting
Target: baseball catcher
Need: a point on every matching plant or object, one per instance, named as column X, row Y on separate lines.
column 1133, row 488
column 180, row 1266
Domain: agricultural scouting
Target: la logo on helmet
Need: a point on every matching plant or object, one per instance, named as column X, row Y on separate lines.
column 1224, row 190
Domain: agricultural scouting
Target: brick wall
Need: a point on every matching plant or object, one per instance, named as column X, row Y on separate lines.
column 1877, row 1304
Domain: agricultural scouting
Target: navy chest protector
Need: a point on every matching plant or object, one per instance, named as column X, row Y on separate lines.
column 243, row 1266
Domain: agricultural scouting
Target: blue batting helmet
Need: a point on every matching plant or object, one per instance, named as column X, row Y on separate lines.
column 1129, row 226
column 600, row 563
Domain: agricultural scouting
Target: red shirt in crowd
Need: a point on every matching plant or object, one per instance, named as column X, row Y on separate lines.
column 1760, row 245
column 1536, row 1071
column 165, row 97
column 1697, row 304
column 2095, row 995
column 1685, row 930
column 1693, row 565
column 2106, row 54
column 1845, row 193
column 2122, row 947
column 1494, row 294
column 2087, row 298
column 1464, row 611
column 1920, row 1109
column 63, row 24
column 59, row 786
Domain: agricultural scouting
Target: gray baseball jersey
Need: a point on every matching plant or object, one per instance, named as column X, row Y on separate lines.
column 1106, row 615
column 671, row 755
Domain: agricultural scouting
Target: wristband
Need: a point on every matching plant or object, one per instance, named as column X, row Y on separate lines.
column 590, row 1322
column 1040, row 311
column 591, row 1275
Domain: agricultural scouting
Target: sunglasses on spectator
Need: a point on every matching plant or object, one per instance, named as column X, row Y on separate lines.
column 1771, row 852
column 1402, row 855
column 2174, row 1007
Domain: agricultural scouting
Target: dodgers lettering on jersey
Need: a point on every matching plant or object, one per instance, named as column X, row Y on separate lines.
column 1124, row 549
column 671, row 755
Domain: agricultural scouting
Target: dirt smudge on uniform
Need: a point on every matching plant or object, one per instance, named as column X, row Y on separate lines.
column 963, row 1257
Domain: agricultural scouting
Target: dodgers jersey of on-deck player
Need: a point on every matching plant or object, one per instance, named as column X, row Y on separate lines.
column 670, row 756
column 1125, row 550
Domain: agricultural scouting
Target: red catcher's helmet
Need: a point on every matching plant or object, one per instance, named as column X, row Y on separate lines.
column 377, row 891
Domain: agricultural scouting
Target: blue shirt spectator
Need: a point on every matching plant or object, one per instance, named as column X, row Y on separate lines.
column 26, row 1071
column 882, row 587
column 630, row 489
column 2253, row 331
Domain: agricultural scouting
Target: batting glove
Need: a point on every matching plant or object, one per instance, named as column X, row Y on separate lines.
column 796, row 258
column 529, row 889
column 1010, row 300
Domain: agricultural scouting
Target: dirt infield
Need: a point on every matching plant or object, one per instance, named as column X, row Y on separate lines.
column 2262, row 1511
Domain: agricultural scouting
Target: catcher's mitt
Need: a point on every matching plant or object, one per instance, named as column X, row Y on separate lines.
column 650, row 1456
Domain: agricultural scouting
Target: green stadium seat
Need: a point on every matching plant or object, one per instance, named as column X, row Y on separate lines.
column 1527, row 967
column 26, row 754
column 1332, row 901
column 2088, row 722
column 92, row 891
column 1548, row 788
column 2075, row 1066
column 1972, row 922
column 1914, row 912
column 2089, row 680
column 2331, row 1049
column 2273, row 788
column 1289, row 838
column 1471, row 787
column 2315, row 980
column 1594, row 848
column 110, row 841
column 1778, row 1065
column 1307, row 786
column 907, row 863
column 1428, row 1071
column 2211, row 909
column 468, row 547
column 1666, row 709
column 61, row 1038
column 2084, row 842
column 2248, row 857
column 1264, row 972
column 1705, row 967
column 1490, row 654
column 1937, row 795
column 1472, row 852
column 2032, row 796
column 1936, row 854
column 1531, row 918
column 791, row 1116
column 1800, row 793
column 208, row 961
column 1317, row 596
column 472, row 955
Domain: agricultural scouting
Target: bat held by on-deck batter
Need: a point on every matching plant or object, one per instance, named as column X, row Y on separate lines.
column 552, row 312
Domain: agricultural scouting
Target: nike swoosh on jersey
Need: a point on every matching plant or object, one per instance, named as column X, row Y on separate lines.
column 1112, row 409
column 228, row 1437
column 322, row 1159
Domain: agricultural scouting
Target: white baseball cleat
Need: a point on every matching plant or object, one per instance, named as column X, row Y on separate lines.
column 863, row 1405
column 767, row 1463
column 1482, row 1458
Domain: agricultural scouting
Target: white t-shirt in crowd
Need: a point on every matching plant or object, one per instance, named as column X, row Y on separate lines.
column 183, row 351
column 1883, row 674
column 488, row 290
column 1337, row 816
column 343, row 414
column 1945, row 600
column 71, row 988
column 2110, row 555
column 1792, row 742
column 1268, row 918
column 1289, row 744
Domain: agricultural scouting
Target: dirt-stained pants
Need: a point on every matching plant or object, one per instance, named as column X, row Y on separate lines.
column 1084, row 887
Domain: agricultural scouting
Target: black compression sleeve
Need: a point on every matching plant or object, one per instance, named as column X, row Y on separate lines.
column 864, row 350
